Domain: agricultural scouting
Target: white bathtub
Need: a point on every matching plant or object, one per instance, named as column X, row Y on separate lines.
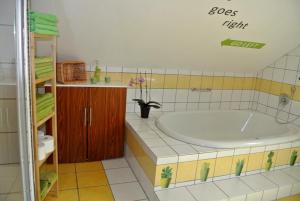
column 226, row 129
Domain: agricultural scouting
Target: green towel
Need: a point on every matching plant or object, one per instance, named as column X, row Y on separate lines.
column 37, row 20
column 43, row 75
column 45, row 64
column 44, row 185
column 42, row 60
column 51, row 177
column 45, row 32
column 42, row 71
column 42, row 97
column 34, row 27
column 44, row 113
column 44, row 16
column 45, row 104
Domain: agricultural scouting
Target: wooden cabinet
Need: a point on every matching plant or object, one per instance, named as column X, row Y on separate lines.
column 91, row 123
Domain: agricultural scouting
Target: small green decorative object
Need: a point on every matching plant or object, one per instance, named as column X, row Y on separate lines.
column 293, row 158
column 93, row 80
column 269, row 161
column 166, row 177
column 204, row 171
column 239, row 167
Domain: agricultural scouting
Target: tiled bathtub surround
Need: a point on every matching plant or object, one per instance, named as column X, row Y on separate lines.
column 192, row 164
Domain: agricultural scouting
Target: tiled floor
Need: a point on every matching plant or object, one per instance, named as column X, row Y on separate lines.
column 98, row 181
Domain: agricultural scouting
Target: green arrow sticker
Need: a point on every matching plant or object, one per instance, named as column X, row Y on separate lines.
column 243, row 44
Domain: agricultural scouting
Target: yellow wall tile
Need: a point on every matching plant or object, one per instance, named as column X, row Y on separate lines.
column 275, row 88
column 207, row 82
column 157, row 81
column 113, row 76
column 238, row 83
column 255, row 161
column 186, row 171
column 248, row 83
column 283, row 157
column 297, row 94
column 183, row 82
column 170, row 82
column 145, row 162
column 286, row 89
column 195, row 81
column 127, row 77
column 298, row 150
column 228, row 82
column 265, row 161
column 265, row 86
column 218, row 82
column 257, row 84
column 223, row 166
column 159, row 169
column 211, row 162
column 239, row 158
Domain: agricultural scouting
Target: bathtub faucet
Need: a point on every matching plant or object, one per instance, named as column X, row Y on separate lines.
column 201, row 90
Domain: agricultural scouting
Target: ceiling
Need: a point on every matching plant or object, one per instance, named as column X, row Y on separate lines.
column 174, row 33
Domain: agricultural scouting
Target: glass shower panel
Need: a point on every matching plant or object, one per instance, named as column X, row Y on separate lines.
column 10, row 170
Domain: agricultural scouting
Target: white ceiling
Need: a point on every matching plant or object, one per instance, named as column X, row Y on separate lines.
column 174, row 33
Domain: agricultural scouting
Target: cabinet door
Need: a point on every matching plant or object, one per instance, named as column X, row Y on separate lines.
column 72, row 114
column 96, row 133
column 115, row 122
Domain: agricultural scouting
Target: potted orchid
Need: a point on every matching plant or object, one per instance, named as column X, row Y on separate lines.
column 145, row 105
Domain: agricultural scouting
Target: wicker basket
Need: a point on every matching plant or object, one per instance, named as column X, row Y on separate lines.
column 71, row 71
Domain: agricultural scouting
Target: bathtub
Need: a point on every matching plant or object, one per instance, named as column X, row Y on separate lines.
column 226, row 129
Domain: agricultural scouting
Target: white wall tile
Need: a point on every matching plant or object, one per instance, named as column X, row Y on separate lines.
column 292, row 62
column 281, row 62
column 182, row 95
column 180, row 107
column 169, row 95
column 290, row 77
column 205, row 96
column 278, row 75
column 216, row 96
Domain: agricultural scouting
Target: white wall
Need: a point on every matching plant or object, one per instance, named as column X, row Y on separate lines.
column 173, row 33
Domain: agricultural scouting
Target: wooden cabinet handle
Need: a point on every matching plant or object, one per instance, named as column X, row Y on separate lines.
column 85, row 116
column 90, row 120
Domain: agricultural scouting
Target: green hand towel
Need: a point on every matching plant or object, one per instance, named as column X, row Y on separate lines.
column 42, row 65
column 43, row 71
column 44, row 185
column 44, row 16
column 45, row 32
column 42, row 97
column 42, row 60
column 34, row 27
column 44, row 113
column 51, row 177
column 43, row 75
column 38, row 20
column 47, row 104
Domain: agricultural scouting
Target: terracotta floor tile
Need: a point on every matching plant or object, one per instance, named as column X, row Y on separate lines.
column 67, row 181
column 89, row 166
column 66, row 168
column 91, row 179
column 102, row 193
column 67, row 195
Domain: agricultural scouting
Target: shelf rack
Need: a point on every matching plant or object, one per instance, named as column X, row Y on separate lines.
column 35, row 83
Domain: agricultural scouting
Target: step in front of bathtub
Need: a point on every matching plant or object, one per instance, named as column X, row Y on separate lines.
column 171, row 163
column 264, row 186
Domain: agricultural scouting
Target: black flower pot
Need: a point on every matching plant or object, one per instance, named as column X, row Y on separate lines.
column 145, row 111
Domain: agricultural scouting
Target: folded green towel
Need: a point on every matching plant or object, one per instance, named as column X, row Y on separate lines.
column 44, row 113
column 42, row 71
column 42, row 60
column 51, row 177
column 45, row 104
column 37, row 20
column 43, row 75
column 44, row 16
column 44, row 185
column 45, row 64
column 45, row 32
column 42, row 97
column 34, row 27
